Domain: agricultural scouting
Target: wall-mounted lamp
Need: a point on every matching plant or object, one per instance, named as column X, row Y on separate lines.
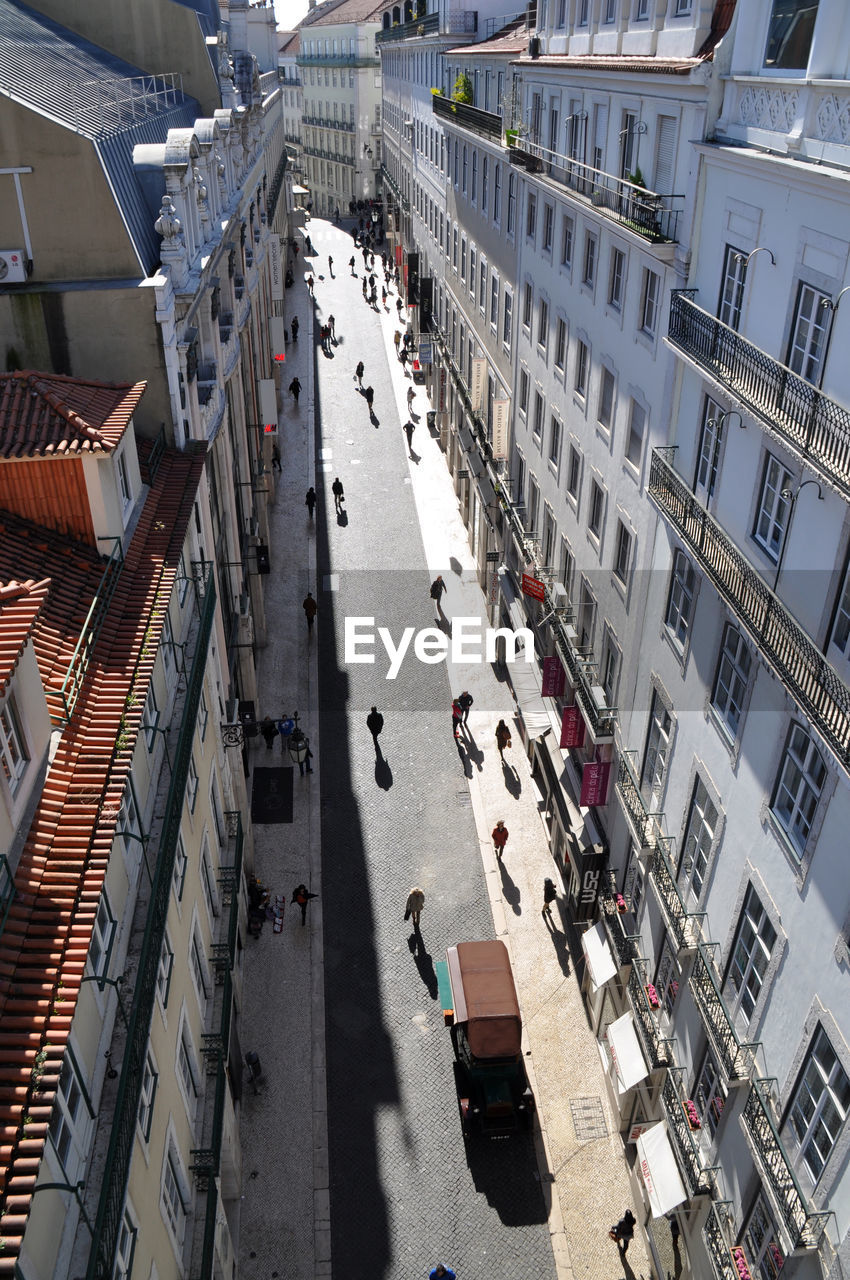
column 638, row 127
column 745, row 257
column 832, row 303
column 793, row 496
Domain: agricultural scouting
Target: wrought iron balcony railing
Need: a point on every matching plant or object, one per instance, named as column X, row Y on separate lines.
column 653, row 216
column 804, row 1226
column 697, row 1178
column 656, row 1049
column 428, row 25
column 624, row 945
column 122, row 1138
column 486, row 123
column 683, row 926
column 716, row 1243
column 736, row 1059
column 645, row 825
column 61, row 701
column 814, row 684
column 815, row 426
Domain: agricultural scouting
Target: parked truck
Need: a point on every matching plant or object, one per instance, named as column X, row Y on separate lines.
column 480, row 1004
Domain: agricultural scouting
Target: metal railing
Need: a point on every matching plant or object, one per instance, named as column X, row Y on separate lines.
column 656, row 1050
column 679, row 1131
column 492, row 25
column 429, row 25
column 804, row 1226
column 644, row 824
column 61, row 701
column 486, row 123
column 625, row 945
column 122, row 1138
column 654, row 216
column 814, row 684
column 737, row 1060
column 817, row 427
column 716, row 1244
column 683, row 926
column 125, row 99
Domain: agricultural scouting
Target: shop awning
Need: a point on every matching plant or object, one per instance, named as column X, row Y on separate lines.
column 629, row 1062
column 526, row 687
column 600, row 962
column 659, row 1170
column 466, row 438
column 300, row 191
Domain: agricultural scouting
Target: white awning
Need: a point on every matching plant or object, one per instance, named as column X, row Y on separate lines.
column 597, row 954
column 526, row 687
column 300, row 191
column 626, row 1052
column 659, row 1170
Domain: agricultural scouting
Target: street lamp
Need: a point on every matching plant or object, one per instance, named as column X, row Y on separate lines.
column 786, row 493
column 297, row 743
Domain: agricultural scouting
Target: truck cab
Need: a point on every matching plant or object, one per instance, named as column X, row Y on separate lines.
column 494, row 1097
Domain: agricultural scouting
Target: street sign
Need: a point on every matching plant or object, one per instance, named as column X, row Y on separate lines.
column 533, row 587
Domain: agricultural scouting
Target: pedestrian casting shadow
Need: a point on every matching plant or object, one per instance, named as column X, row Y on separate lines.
column 627, row 1270
column 455, row 566
column 559, row 942
column 424, row 963
column 383, row 773
column 375, row 421
column 443, row 623
column 464, row 758
column 414, row 457
column 512, row 779
column 475, row 754
column 342, row 519
column 415, row 417
column 678, row 1266
column 510, row 891
column 329, row 355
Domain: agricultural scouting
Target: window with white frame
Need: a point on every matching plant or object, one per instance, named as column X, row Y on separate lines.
column 821, row 1102
column 567, row 568
column 494, row 300
column 680, row 600
column 129, row 826
column 507, row 308
column 582, row 365
column 616, row 279
column 198, row 966
column 68, row 1125
column 567, row 240
column 164, row 971
column 454, row 247
column 537, row 422
column 554, row 446
column 547, row 542
column 473, row 268
column 463, row 259
column 710, row 1093
column 125, row 1247
column 807, row 345
column 637, row 430
column 586, row 616
column 215, row 807
column 711, row 434
column 596, row 513
column 543, row 324
column 482, row 284
column 588, row 274
column 123, row 480
column 485, row 184
column 531, row 216
column 533, row 505
column 192, row 784
column 774, row 507
column 561, row 344
column 167, row 643
column 527, row 304
column 622, row 553
column 574, row 473
column 174, row 1196
column 755, row 939
column 761, row 1241
column 802, row 775
column 730, row 682
column 732, row 287
column 523, row 392
column 12, row 745
column 650, row 301
column 667, row 977
column 841, row 627
column 511, row 203
column 789, row 35
column 208, row 880
column 700, row 829
column 497, row 194
column 147, row 1095
column 203, row 714
column 187, row 1069
column 473, row 186
column 656, row 749
column 180, row 863
column 548, row 227
column 609, row 667
column 605, row 408
column 183, row 580
column 103, row 935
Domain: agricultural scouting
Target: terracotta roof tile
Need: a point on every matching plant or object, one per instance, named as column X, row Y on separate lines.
column 20, row 605
column 48, row 415
column 44, row 944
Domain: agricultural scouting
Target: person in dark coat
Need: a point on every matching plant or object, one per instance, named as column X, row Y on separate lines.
column 310, row 609
column 466, row 700
column 457, row 716
column 375, row 725
column 268, row 729
column 409, row 428
column 338, row 493
column 304, row 765
column 503, row 737
column 310, row 501
column 358, row 373
column 295, row 389
column 550, row 893
column 302, row 895
column 294, row 328
column 623, row 1232
column 500, row 839
column 369, row 393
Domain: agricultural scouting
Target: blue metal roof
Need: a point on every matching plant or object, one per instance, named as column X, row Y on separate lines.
column 66, row 78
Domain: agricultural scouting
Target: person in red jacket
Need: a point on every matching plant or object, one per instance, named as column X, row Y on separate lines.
column 500, row 839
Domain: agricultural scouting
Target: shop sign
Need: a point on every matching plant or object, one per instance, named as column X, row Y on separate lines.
column 533, row 587
column 594, row 783
column 554, row 677
column 572, row 727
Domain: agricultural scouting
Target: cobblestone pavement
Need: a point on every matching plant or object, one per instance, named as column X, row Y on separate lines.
column 379, row 1184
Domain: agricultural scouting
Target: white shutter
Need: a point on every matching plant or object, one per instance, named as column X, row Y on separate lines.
column 664, row 153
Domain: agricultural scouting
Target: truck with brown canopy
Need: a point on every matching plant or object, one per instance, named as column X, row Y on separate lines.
column 494, row 1097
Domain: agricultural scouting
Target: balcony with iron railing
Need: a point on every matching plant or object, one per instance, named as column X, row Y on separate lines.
column 736, row 1058
column 657, row 1050
column 624, row 945
column 803, row 1225
column 652, row 216
column 427, row 25
column 335, row 60
column 697, row 1177
column 716, row 1242
column 813, row 683
column 321, row 122
column 61, row 701
column 486, row 123
column 645, row 825
column 122, row 1134
column 813, row 425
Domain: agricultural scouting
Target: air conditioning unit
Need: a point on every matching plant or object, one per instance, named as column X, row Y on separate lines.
column 13, row 266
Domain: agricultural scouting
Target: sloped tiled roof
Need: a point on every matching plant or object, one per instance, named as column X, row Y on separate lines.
column 66, row 78
column 59, row 879
column 20, row 605
column 50, row 415
column 335, row 12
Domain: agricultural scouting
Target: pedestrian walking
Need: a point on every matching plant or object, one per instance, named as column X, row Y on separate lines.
column 358, row 373
column 384, row 297
column 373, row 299
column 409, row 428
column 276, row 464
column 325, row 336
column 457, row 713
column 302, row 895
column 295, row 389
column 403, row 357
column 304, row 765
column 413, row 906
column 331, row 266
column 466, row 700
column 375, row 724
column 310, row 284
column 623, row 1231
column 550, row 893
column 294, row 328
column 411, row 396
column 310, row 610
column 438, row 586
column 338, row 493
column 351, row 265
column 500, row 839
column 397, row 340
column 365, row 286
column 503, row 737
column 310, row 501
column 399, row 306
column 337, row 216
column 309, row 246
column 441, row 1273
column 268, row 729
column 370, row 396
column 332, row 328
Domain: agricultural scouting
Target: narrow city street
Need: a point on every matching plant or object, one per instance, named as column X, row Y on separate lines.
column 346, row 1011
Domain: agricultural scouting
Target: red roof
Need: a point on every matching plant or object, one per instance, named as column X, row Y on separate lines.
column 20, row 605
column 46, row 415
column 58, row 882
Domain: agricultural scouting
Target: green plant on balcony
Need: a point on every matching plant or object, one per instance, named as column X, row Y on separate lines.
column 437, row 93
column 511, row 136
column 636, row 178
column 462, row 91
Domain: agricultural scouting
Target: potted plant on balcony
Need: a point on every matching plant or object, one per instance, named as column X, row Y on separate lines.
column 621, row 904
column 462, row 91
column 739, row 1259
column 652, row 996
column 691, row 1115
